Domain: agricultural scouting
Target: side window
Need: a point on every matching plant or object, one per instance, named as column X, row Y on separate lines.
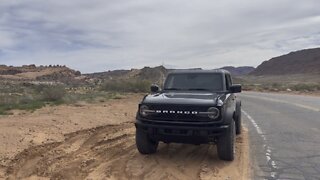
column 228, row 81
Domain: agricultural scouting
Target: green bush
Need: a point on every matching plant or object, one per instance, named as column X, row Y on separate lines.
column 27, row 101
column 53, row 93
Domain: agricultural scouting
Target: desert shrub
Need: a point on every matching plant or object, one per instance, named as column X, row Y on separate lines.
column 21, row 104
column 53, row 93
column 4, row 108
column 31, row 106
column 126, row 86
column 27, row 96
column 306, row 87
column 26, row 99
column 40, row 87
column 7, row 99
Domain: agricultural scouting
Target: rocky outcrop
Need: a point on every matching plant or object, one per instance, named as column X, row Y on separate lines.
column 56, row 73
column 305, row 61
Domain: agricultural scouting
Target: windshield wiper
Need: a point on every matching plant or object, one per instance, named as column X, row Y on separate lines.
column 199, row 89
column 173, row 89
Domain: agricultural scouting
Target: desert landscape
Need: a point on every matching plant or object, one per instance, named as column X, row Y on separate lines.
column 96, row 141
column 57, row 123
column 104, row 90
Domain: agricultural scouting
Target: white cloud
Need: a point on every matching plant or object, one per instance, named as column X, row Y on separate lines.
column 98, row 35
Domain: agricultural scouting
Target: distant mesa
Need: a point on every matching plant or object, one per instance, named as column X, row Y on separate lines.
column 305, row 61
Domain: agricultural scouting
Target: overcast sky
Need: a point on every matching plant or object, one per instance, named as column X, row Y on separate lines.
column 98, row 35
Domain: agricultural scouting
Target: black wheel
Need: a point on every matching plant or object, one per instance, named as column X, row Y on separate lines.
column 238, row 117
column 144, row 144
column 226, row 143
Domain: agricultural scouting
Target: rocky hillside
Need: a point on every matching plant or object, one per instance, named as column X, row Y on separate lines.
column 40, row 73
column 155, row 74
column 68, row 76
column 239, row 71
column 300, row 62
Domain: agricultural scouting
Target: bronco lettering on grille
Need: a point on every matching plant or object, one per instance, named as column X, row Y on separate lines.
column 176, row 112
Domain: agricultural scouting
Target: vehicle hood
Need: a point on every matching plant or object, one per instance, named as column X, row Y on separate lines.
column 185, row 98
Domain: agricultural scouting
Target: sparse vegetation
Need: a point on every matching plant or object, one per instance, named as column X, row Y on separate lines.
column 53, row 93
column 62, row 85
column 306, row 87
column 126, row 86
column 31, row 106
column 26, row 96
column 277, row 87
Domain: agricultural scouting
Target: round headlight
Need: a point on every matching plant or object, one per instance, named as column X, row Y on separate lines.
column 143, row 110
column 213, row 113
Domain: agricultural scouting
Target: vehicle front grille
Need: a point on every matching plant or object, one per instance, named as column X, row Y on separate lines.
column 179, row 113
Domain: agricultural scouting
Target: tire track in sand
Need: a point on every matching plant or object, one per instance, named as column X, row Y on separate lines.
column 109, row 152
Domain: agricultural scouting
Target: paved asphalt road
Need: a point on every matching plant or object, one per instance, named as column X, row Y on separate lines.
column 284, row 135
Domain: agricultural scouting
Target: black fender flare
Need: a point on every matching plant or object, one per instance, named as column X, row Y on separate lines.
column 228, row 115
column 237, row 112
column 237, row 117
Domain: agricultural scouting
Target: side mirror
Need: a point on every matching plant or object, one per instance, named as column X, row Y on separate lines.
column 154, row 88
column 236, row 88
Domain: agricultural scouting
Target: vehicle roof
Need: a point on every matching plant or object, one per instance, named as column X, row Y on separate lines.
column 196, row 71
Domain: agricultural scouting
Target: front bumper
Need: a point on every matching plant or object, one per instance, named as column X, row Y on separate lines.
column 182, row 132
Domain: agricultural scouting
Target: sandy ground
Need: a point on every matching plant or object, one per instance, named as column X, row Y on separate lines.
column 96, row 141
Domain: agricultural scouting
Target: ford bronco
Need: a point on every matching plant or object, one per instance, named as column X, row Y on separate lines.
column 194, row 107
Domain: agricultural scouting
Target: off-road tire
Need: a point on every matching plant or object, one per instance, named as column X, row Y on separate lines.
column 144, row 144
column 226, row 143
column 238, row 118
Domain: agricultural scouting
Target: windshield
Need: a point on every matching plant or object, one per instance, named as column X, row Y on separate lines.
column 194, row 81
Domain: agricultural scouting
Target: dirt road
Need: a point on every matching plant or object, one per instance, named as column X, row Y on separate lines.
column 96, row 141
